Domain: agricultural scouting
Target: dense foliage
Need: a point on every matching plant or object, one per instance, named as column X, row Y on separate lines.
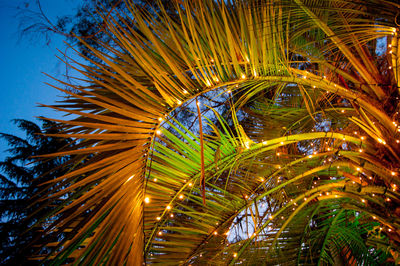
column 21, row 176
column 297, row 162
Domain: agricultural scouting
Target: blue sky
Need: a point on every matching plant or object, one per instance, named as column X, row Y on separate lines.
column 22, row 62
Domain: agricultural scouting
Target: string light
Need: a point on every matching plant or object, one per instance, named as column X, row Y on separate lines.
column 362, row 138
column 360, row 150
column 179, row 102
column 262, row 179
column 190, row 184
column 168, row 207
column 185, row 92
column 381, row 141
column 171, row 215
column 158, row 132
column 158, row 218
column 215, row 233
column 180, row 196
column 155, row 179
column 393, row 173
column 146, row 200
column 160, row 119
column 387, row 199
column 159, row 233
column 363, row 200
column 243, row 76
column 234, row 255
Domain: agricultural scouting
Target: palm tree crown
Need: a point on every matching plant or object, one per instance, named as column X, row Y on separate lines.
column 292, row 156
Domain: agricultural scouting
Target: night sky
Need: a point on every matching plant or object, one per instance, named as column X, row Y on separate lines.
column 23, row 61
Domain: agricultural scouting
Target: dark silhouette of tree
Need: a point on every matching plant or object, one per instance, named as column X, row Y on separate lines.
column 21, row 174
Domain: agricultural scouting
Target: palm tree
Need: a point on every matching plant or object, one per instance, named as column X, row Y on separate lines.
column 20, row 182
column 301, row 168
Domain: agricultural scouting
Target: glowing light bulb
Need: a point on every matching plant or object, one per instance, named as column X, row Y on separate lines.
column 360, row 150
column 234, row 255
column 160, row 233
column 147, row 200
column 363, row 200
column 180, row 196
column 158, row 218
column 179, row 102
column 215, row 233
column 393, row 173
column 158, row 132
column 171, row 215
column 243, row 76
column 168, row 207
column 190, row 184
column 160, row 119
column 380, row 140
